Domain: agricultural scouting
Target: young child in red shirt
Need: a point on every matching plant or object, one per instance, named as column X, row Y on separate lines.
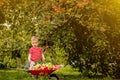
column 35, row 53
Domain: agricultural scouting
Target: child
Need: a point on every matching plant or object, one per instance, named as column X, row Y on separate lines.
column 35, row 53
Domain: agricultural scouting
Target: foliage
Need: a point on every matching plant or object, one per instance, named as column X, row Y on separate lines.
column 83, row 32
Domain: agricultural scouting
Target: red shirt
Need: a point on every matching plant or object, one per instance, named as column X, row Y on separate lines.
column 36, row 53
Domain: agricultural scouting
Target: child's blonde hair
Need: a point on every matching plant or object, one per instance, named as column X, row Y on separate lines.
column 34, row 38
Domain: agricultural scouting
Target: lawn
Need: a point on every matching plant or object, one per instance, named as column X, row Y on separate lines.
column 65, row 73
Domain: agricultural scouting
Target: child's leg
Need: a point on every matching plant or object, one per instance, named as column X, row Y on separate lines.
column 35, row 77
column 29, row 65
column 32, row 64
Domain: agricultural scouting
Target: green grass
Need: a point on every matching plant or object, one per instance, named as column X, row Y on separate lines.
column 65, row 73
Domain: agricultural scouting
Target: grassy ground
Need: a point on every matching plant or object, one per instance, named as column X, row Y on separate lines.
column 65, row 73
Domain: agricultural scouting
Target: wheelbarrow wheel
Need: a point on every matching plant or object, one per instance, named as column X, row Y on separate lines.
column 53, row 77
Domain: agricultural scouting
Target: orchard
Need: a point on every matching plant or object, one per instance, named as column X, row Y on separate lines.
column 80, row 33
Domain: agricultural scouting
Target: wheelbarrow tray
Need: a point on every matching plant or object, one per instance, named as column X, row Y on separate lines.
column 45, row 71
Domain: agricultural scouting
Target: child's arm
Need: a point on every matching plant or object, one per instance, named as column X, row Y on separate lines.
column 43, row 57
column 29, row 56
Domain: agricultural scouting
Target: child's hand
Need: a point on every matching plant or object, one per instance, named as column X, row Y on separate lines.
column 43, row 59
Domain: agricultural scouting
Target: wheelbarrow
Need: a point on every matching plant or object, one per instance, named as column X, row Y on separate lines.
column 47, row 73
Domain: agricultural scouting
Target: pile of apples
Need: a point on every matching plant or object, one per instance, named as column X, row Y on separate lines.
column 46, row 66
